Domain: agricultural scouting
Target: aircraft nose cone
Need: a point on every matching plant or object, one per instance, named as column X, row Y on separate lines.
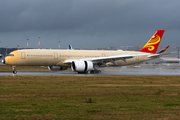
column 3, row 61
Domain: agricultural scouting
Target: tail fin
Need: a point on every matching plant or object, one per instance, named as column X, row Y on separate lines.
column 70, row 47
column 152, row 45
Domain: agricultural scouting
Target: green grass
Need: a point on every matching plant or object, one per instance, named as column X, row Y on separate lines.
column 61, row 97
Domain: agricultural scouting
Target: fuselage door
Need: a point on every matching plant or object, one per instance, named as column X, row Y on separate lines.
column 103, row 55
column 55, row 56
column 23, row 55
column 137, row 57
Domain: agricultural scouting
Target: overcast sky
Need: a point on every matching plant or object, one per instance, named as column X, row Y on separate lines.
column 88, row 23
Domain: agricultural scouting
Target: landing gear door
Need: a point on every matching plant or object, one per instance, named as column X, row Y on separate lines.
column 23, row 55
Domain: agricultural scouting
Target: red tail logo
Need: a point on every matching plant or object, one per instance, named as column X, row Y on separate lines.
column 152, row 45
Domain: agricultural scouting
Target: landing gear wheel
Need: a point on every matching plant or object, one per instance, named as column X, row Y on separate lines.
column 14, row 72
column 83, row 72
column 95, row 71
column 92, row 72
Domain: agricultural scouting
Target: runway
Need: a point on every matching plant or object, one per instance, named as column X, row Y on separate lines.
column 109, row 71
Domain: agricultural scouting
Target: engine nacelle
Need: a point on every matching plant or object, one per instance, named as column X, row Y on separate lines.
column 57, row 68
column 82, row 66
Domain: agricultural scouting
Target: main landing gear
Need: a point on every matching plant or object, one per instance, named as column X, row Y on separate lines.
column 95, row 71
column 91, row 72
column 83, row 72
column 14, row 69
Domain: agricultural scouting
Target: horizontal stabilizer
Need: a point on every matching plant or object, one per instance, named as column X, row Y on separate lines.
column 164, row 49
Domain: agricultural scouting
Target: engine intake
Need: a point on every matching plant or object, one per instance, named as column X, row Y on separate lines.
column 82, row 66
column 57, row 68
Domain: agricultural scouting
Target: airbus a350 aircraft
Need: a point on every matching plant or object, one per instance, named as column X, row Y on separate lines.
column 83, row 61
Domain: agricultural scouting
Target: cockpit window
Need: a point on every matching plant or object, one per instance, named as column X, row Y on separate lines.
column 10, row 54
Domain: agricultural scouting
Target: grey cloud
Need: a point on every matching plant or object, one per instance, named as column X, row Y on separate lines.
column 86, row 22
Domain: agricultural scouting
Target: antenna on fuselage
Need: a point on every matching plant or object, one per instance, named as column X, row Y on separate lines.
column 39, row 42
column 27, row 43
column 59, row 44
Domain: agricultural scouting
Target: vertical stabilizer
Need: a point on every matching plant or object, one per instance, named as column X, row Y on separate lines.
column 70, row 47
column 153, row 44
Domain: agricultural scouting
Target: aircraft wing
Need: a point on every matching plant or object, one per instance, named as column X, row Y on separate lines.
column 104, row 60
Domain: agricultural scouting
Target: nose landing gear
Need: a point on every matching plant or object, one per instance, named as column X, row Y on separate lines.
column 14, row 69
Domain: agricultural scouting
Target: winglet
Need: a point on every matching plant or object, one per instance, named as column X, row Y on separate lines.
column 152, row 45
column 164, row 49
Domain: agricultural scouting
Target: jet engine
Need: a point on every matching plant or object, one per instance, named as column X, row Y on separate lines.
column 57, row 68
column 82, row 66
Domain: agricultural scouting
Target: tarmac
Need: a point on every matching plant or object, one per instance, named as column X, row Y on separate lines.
column 108, row 71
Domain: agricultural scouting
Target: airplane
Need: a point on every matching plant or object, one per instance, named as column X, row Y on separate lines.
column 84, row 61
